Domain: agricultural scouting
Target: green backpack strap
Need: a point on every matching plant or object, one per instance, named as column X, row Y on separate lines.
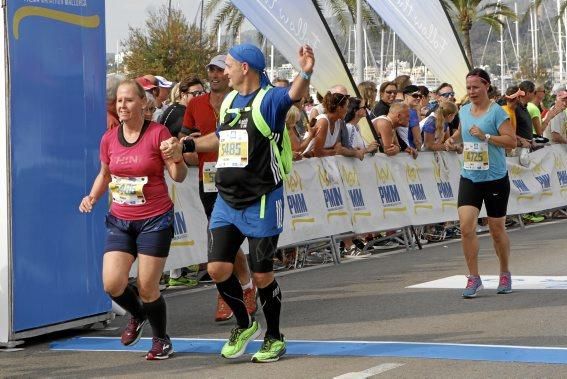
column 284, row 162
column 225, row 108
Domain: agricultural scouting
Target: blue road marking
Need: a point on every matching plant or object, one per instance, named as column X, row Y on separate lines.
column 469, row 352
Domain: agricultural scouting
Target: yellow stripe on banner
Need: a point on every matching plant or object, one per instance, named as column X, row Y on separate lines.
column 448, row 204
column 524, row 197
column 183, row 243
column 421, row 206
column 399, row 209
column 546, row 194
column 336, row 214
column 360, row 214
column 300, row 220
column 563, row 190
column 69, row 18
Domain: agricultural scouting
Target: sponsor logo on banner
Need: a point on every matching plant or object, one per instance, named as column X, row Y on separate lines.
column 388, row 190
column 561, row 172
column 352, row 184
column 444, row 187
column 416, row 188
column 331, row 193
column 515, row 173
column 295, row 199
column 544, row 179
column 180, row 235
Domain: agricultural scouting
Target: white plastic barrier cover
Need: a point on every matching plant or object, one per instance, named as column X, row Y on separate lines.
column 336, row 195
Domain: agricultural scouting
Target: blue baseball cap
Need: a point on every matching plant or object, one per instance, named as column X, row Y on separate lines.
column 252, row 55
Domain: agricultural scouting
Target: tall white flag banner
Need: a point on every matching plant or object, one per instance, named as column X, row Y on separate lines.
column 426, row 30
column 290, row 24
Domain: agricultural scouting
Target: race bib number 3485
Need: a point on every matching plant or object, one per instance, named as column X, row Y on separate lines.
column 233, row 148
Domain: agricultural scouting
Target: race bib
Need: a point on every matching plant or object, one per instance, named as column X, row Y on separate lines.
column 129, row 191
column 209, row 172
column 475, row 156
column 233, row 148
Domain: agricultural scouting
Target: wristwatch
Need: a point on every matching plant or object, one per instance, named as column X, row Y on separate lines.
column 487, row 137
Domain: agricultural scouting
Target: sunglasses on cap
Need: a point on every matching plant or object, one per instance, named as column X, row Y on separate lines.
column 447, row 94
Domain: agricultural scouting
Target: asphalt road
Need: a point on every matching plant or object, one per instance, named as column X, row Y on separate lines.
column 362, row 300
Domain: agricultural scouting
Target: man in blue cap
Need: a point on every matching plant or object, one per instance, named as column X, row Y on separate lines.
column 249, row 182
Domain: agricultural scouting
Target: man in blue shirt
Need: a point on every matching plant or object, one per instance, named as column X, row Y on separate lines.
column 250, row 201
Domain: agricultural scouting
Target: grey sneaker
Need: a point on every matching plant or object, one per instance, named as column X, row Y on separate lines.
column 505, row 283
column 474, row 284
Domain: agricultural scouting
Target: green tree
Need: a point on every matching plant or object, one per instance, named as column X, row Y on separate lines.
column 467, row 12
column 167, row 46
column 229, row 16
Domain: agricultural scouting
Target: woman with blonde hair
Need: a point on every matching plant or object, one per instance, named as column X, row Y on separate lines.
column 435, row 128
column 368, row 92
column 297, row 144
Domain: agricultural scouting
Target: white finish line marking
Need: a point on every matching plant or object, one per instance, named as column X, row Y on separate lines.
column 491, row 282
column 370, row 372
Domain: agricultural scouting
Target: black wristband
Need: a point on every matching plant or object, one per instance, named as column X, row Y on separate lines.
column 188, row 146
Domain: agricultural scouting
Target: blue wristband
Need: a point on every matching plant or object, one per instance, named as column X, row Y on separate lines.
column 305, row 75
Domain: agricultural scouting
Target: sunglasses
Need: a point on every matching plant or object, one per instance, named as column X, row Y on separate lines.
column 447, row 94
column 416, row 95
column 342, row 98
column 391, row 92
column 196, row 93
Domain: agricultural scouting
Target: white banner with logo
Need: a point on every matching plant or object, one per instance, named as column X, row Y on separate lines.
column 426, row 30
column 335, row 195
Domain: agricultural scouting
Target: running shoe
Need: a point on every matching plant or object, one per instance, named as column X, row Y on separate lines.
column 250, row 300
column 385, row 245
column 354, row 252
column 505, row 283
column 239, row 339
column 474, row 284
column 133, row 331
column 182, row 281
column 223, row 310
column 272, row 349
column 161, row 349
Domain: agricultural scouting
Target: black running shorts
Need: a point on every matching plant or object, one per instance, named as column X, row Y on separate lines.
column 494, row 193
column 227, row 239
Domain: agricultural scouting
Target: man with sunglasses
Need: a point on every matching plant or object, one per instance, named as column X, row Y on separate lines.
column 201, row 118
column 411, row 135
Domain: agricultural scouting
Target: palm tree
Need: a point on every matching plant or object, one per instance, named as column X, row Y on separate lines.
column 227, row 15
column 467, row 12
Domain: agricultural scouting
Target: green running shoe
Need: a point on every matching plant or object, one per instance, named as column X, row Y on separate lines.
column 239, row 339
column 182, row 281
column 272, row 349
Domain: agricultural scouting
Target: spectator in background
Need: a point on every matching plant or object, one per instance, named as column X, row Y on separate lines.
column 445, row 92
column 150, row 90
column 281, row 82
column 401, row 82
column 355, row 112
column 320, row 109
column 556, row 132
column 535, row 107
column 388, row 92
column 368, row 94
column 112, row 83
column 298, row 144
column 327, row 128
column 412, row 135
column 511, row 98
column 436, row 128
column 164, row 88
column 386, row 125
column 424, row 102
column 184, row 91
column 524, row 126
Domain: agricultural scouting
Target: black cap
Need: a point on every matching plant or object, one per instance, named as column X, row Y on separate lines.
column 410, row 89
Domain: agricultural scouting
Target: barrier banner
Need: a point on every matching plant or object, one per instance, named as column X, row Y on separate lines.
column 336, row 195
